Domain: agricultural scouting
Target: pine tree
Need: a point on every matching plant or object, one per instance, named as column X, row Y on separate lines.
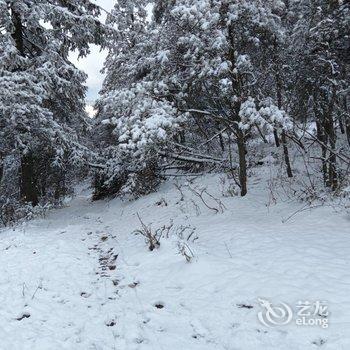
column 319, row 32
column 204, row 83
column 188, row 72
column 42, row 93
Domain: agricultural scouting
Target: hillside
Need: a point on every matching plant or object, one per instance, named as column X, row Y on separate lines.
column 81, row 278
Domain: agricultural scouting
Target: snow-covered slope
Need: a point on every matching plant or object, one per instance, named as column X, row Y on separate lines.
column 81, row 279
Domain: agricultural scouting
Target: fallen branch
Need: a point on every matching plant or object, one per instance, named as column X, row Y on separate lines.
column 191, row 159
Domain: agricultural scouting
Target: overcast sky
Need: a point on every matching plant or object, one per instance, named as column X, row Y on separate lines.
column 93, row 63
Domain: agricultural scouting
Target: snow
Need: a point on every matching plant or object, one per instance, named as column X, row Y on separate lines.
column 81, row 279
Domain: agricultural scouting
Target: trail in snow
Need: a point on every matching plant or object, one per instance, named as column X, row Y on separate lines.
column 79, row 279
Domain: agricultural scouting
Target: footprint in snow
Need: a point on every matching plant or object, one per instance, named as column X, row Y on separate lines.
column 198, row 330
column 159, row 305
column 133, row 285
column 111, row 323
column 23, row 316
column 85, row 295
column 244, row 306
column 140, row 340
column 319, row 342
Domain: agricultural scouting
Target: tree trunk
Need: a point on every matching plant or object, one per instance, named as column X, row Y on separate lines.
column 9, row 187
column 286, row 154
column 322, row 137
column 242, row 161
column 284, row 138
column 277, row 140
column 9, row 183
column 330, row 132
column 332, row 167
column 346, row 119
column 1, row 168
column 237, row 90
column 18, row 31
column 29, row 190
column 341, row 126
column 222, row 144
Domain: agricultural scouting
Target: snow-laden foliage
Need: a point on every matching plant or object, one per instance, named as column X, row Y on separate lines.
column 206, row 83
column 200, row 85
column 142, row 120
column 186, row 75
column 42, row 93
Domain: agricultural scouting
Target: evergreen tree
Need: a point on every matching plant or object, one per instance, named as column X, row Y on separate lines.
column 42, row 93
column 187, row 75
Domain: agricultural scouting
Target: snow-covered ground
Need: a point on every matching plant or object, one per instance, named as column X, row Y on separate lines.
column 81, row 279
